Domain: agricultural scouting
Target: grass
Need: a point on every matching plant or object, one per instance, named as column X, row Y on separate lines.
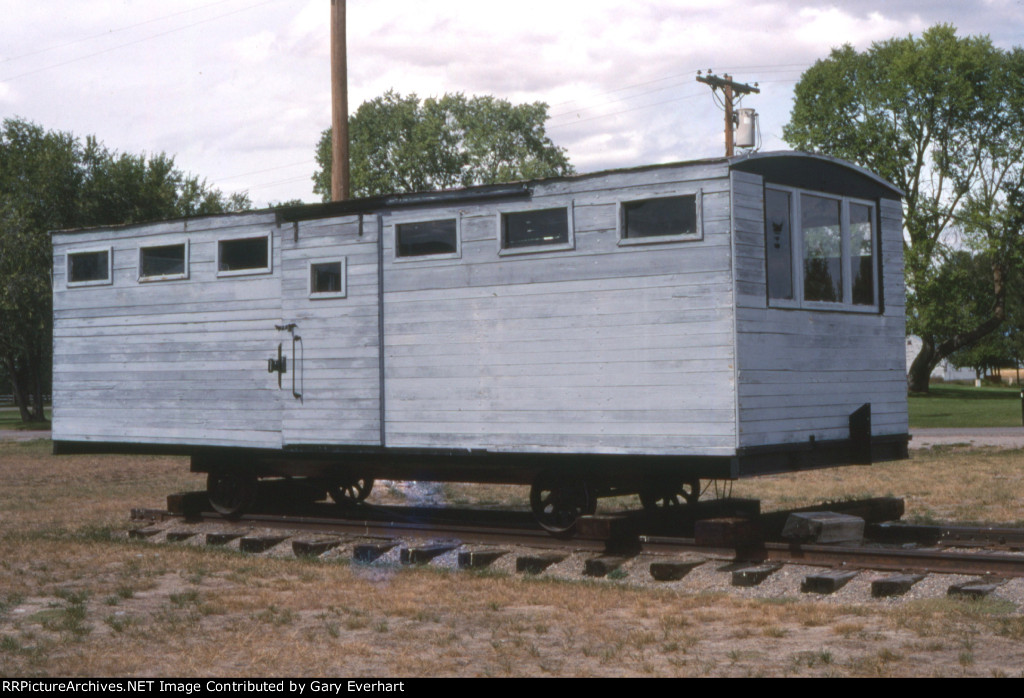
column 952, row 406
column 10, row 418
column 78, row 599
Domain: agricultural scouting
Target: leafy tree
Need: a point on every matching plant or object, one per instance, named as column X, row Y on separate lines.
column 49, row 181
column 398, row 144
column 942, row 117
column 967, row 276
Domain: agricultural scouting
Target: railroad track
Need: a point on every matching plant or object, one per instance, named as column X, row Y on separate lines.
column 605, row 543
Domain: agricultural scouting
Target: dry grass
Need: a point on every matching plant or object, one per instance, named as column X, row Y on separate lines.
column 77, row 600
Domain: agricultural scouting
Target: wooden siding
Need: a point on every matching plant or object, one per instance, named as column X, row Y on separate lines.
column 803, row 372
column 167, row 362
column 659, row 348
column 601, row 348
column 337, row 368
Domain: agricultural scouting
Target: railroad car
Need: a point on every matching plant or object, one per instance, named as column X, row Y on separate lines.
column 632, row 331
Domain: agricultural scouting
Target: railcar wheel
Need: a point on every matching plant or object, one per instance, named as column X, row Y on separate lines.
column 559, row 501
column 669, row 495
column 231, row 494
column 348, row 492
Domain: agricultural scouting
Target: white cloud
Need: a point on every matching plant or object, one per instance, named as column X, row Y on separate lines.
column 248, row 93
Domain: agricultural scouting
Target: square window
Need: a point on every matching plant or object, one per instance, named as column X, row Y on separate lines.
column 89, row 267
column 163, row 262
column 427, row 238
column 327, row 279
column 243, row 256
column 672, row 216
column 541, row 227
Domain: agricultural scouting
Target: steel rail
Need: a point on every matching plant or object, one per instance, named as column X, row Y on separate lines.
column 832, row 556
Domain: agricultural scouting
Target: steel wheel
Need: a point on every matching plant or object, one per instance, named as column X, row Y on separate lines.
column 669, row 495
column 231, row 494
column 559, row 501
column 348, row 492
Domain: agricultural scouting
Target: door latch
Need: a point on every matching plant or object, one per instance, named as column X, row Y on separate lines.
column 278, row 365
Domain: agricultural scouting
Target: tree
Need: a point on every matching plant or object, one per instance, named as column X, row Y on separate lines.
column 50, row 181
column 398, row 144
column 941, row 117
column 967, row 274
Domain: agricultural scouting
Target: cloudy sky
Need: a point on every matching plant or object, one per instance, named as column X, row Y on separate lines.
column 239, row 90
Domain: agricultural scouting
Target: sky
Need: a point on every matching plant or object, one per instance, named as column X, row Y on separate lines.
column 238, row 91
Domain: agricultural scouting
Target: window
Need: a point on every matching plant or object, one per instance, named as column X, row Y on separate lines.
column 327, row 279
column 243, row 256
column 820, row 251
column 427, row 238
column 659, row 220
column 163, row 262
column 528, row 231
column 90, row 267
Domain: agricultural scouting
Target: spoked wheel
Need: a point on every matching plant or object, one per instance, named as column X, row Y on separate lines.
column 559, row 501
column 231, row 494
column 669, row 494
column 349, row 492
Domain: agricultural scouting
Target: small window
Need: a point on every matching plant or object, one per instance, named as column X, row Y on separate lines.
column 669, row 217
column 542, row 227
column 243, row 256
column 327, row 279
column 778, row 253
column 427, row 238
column 89, row 267
column 163, row 262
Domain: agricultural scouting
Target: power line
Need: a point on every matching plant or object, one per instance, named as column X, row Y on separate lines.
column 137, row 41
column 113, row 31
column 269, row 169
column 624, row 111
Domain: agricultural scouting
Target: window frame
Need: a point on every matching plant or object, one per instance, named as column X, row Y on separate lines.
column 697, row 235
column 164, row 277
column 108, row 281
column 321, row 295
column 457, row 254
column 268, row 269
column 570, row 244
column 797, row 253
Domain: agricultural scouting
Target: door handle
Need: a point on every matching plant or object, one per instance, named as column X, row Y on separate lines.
column 278, row 365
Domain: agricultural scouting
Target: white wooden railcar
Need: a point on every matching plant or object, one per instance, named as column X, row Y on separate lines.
column 625, row 331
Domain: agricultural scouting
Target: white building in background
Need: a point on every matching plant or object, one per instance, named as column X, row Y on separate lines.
column 945, row 370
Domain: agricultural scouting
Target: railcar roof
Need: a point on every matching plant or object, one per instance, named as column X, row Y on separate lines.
column 775, row 165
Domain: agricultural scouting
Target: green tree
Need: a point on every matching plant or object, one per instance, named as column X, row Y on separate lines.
column 398, row 144
column 941, row 117
column 50, row 181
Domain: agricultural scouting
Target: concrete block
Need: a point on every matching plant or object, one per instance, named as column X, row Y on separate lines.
column 602, row 566
column 314, row 547
column 259, row 544
column 754, row 575
column 180, row 535
column 424, row 554
column 673, row 570
column 823, row 527
column 222, row 537
column 366, row 553
column 896, row 585
column 827, row 582
column 974, row 589
column 478, row 559
column 535, row 564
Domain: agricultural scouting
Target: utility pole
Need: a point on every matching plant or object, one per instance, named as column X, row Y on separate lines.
column 340, row 186
column 729, row 90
